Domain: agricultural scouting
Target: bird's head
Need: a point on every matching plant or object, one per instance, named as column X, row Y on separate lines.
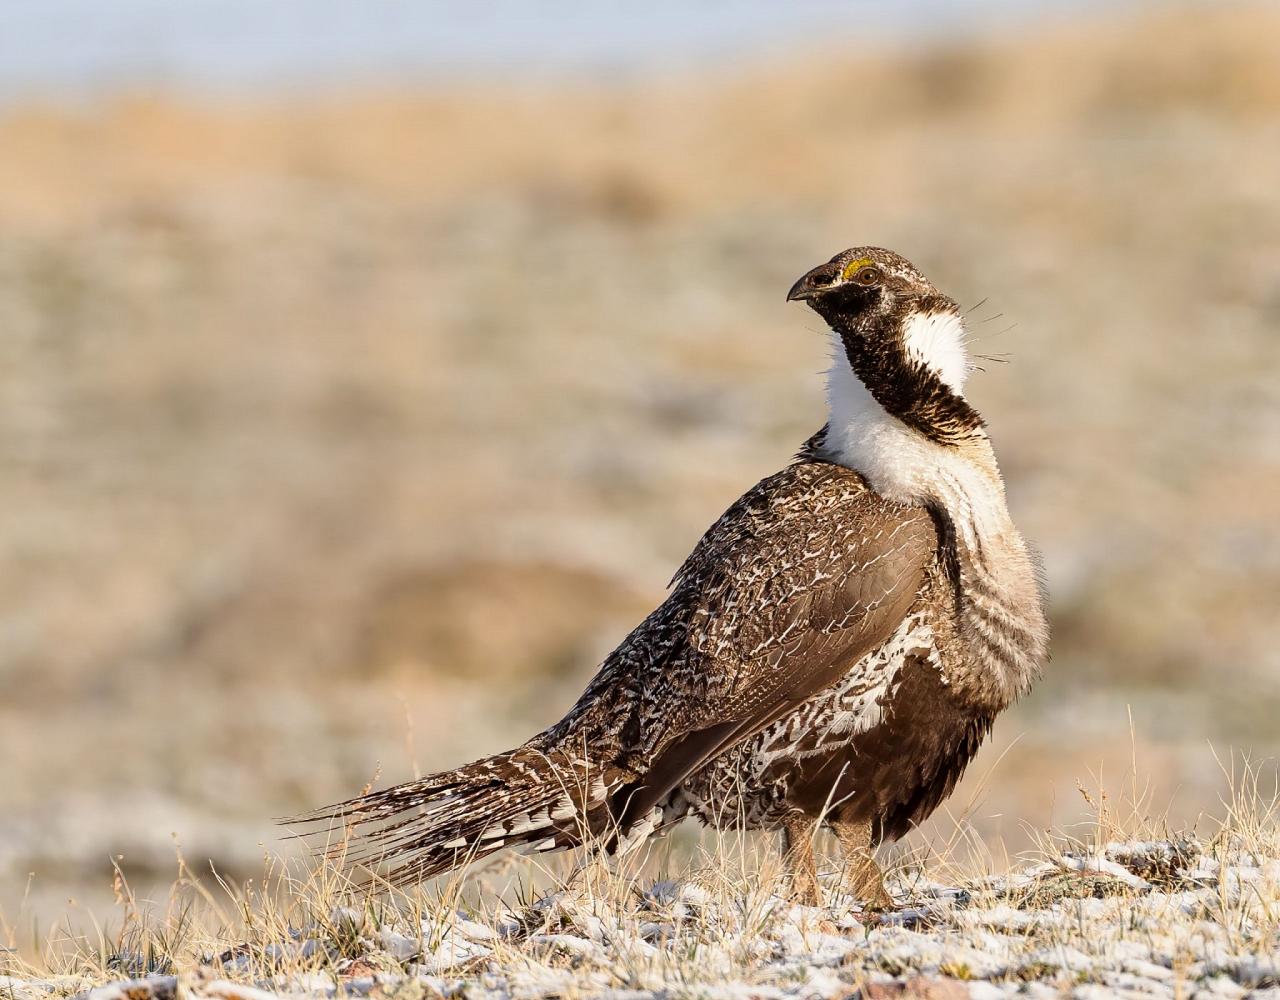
column 903, row 339
column 861, row 279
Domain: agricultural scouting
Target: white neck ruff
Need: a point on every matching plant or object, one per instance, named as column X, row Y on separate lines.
column 902, row 464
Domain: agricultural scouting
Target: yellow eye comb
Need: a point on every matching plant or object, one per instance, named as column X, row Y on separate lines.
column 852, row 268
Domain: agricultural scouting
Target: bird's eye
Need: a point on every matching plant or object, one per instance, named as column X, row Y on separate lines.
column 869, row 276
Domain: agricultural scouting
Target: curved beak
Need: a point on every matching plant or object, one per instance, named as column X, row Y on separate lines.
column 821, row 279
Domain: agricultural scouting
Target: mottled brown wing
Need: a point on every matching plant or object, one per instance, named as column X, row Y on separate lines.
column 797, row 581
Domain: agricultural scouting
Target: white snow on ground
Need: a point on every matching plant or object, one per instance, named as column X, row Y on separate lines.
column 1141, row 920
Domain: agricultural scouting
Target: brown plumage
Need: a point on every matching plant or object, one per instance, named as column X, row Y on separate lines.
column 834, row 649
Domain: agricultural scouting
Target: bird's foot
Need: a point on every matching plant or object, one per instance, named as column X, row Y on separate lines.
column 803, row 889
column 866, row 885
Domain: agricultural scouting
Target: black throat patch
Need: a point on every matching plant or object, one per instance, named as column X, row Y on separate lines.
column 904, row 385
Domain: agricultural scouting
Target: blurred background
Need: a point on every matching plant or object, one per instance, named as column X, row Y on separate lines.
column 366, row 370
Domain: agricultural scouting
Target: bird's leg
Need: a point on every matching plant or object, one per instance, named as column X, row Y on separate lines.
column 798, row 860
column 863, row 878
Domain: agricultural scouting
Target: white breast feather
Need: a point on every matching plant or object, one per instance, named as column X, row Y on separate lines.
column 904, row 465
column 900, row 463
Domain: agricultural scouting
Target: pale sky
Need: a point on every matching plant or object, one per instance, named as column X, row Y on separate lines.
column 78, row 47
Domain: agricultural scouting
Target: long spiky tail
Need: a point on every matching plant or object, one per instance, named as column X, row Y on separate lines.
column 546, row 801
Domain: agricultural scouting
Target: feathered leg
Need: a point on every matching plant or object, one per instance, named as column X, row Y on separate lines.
column 863, row 877
column 798, row 859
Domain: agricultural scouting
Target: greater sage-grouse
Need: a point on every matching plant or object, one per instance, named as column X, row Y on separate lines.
column 833, row 651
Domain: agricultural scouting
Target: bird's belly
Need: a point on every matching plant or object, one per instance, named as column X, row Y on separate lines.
column 840, row 746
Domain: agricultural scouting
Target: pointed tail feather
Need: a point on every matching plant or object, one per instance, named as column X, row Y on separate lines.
column 420, row 829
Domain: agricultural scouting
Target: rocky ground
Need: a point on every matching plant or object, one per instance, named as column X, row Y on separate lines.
column 1142, row 919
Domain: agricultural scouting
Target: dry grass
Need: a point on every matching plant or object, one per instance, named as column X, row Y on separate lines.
column 1127, row 905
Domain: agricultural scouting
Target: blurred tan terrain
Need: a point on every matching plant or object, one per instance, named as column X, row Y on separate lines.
column 356, row 429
